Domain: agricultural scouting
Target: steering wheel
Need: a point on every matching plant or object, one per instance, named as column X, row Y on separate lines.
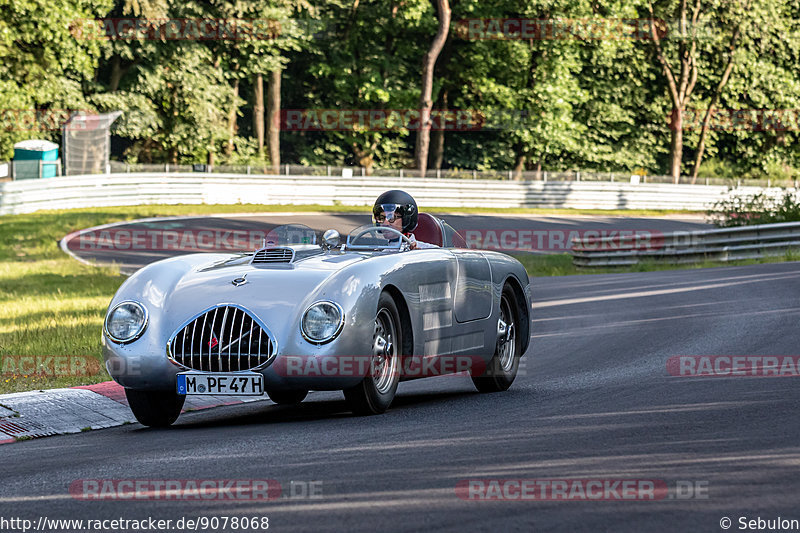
column 375, row 229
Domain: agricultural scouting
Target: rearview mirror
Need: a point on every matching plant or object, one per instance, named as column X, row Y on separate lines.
column 331, row 238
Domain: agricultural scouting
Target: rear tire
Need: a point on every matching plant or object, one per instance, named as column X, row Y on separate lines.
column 502, row 368
column 287, row 397
column 155, row 408
column 377, row 390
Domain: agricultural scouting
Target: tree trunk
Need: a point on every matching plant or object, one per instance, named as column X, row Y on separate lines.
column 364, row 157
column 519, row 166
column 232, row 115
column 437, row 141
column 676, row 145
column 701, row 145
column 258, row 111
column 437, row 148
column 274, row 119
column 116, row 74
column 679, row 84
column 425, row 103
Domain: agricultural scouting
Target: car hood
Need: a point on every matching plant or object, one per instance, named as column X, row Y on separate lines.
column 175, row 291
column 257, row 286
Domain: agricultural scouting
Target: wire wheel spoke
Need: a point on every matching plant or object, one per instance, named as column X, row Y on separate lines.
column 384, row 360
column 506, row 346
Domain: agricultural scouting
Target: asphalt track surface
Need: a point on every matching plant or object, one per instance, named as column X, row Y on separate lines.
column 555, row 227
column 594, row 401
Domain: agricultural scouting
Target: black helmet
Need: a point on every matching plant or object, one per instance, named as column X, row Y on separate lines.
column 396, row 204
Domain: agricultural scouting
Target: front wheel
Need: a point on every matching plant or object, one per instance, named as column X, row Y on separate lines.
column 287, row 397
column 155, row 408
column 376, row 391
column 502, row 368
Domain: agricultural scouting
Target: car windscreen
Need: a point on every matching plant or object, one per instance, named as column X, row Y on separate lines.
column 288, row 234
column 371, row 237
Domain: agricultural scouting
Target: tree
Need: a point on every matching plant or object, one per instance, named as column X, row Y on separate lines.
column 551, row 102
column 426, row 90
column 723, row 80
column 373, row 66
column 680, row 84
column 697, row 55
column 43, row 66
column 757, row 68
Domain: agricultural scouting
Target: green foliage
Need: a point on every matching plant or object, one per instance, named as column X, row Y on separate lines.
column 42, row 65
column 759, row 208
column 580, row 102
column 719, row 169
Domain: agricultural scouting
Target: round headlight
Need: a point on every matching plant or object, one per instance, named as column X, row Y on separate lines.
column 322, row 322
column 126, row 322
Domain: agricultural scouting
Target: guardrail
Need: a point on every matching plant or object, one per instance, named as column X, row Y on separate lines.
column 449, row 173
column 727, row 244
column 103, row 190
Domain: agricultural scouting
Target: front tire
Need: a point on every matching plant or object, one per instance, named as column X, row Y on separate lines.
column 287, row 397
column 377, row 390
column 155, row 408
column 502, row 368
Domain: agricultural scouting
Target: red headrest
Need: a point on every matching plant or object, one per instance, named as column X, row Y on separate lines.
column 428, row 230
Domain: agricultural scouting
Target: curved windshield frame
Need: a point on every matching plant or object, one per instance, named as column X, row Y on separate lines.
column 299, row 235
column 375, row 238
column 289, row 234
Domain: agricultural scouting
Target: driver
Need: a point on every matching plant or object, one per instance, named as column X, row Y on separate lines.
column 398, row 210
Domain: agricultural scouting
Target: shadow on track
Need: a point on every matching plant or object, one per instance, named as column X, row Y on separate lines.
column 308, row 411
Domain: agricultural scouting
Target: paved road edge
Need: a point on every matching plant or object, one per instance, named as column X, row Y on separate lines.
column 43, row 413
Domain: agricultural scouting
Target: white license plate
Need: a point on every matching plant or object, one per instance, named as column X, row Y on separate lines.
column 228, row 384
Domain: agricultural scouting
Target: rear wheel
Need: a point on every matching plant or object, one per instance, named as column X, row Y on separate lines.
column 287, row 397
column 375, row 393
column 155, row 408
column 502, row 368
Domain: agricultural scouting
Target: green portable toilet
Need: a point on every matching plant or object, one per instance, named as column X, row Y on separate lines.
column 35, row 159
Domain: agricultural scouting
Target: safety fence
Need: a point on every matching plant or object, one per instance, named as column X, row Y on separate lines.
column 726, row 244
column 118, row 189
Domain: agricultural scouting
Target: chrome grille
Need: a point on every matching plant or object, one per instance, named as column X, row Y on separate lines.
column 222, row 339
column 273, row 255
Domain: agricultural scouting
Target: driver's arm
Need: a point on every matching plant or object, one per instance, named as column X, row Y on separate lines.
column 419, row 245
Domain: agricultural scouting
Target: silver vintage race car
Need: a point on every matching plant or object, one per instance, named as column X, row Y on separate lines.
column 295, row 316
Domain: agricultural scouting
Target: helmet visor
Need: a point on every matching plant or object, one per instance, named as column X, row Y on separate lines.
column 387, row 213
